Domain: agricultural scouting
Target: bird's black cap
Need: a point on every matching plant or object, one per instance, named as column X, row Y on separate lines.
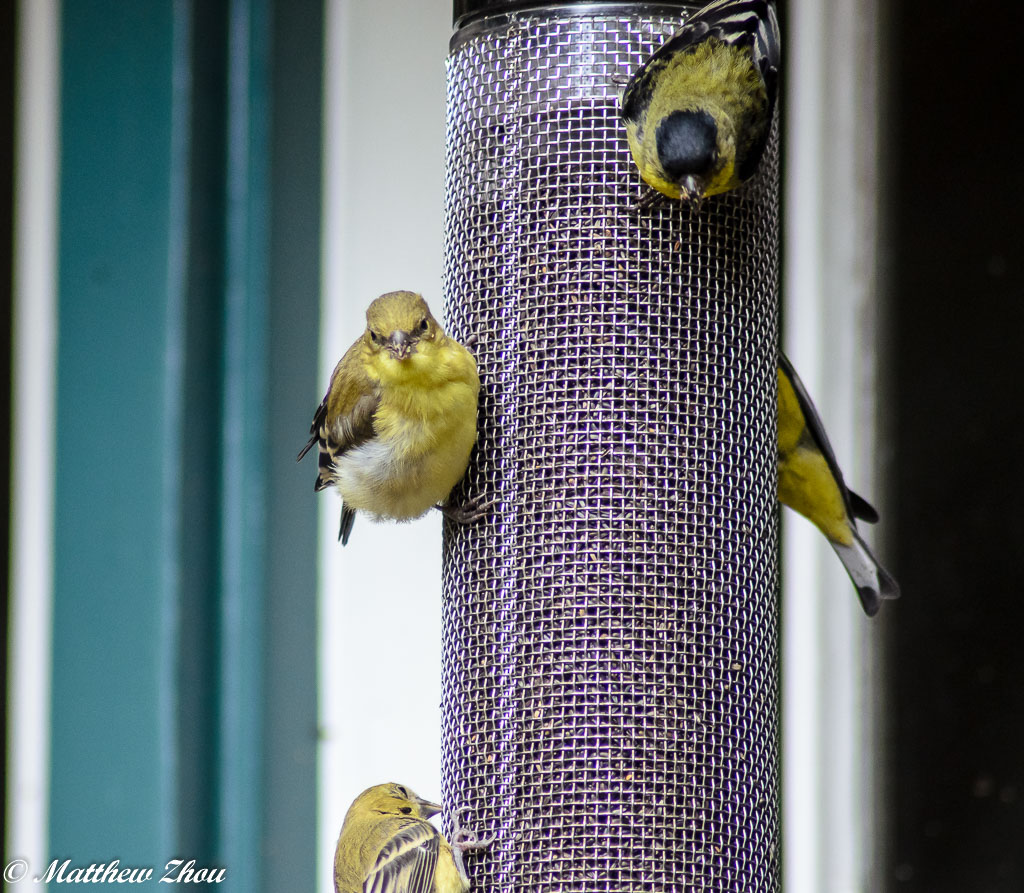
column 686, row 143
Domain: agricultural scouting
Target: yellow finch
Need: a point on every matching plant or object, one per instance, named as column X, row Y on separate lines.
column 811, row 483
column 387, row 845
column 698, row 112
column 398, row 422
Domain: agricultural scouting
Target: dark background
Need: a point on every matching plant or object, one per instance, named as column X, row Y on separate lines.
column 956, row 404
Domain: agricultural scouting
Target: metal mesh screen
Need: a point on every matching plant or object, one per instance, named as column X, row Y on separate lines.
column 610, row 643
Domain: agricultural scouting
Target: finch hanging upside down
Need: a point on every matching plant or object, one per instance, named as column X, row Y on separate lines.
column 811, row 483
column 698, row 112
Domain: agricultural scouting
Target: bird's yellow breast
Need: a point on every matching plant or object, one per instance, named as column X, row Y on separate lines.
column 806, row 483
column 446, row 876
column 425, row 429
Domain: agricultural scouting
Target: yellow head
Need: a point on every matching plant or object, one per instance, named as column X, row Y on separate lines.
column 402, row 337
column 696, row 117
column 393, row 799
column 398, row 323
column 694, row 127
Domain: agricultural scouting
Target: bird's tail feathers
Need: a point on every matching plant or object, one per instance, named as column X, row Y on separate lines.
column 873, row 582
column 861, row 509
column 348, row 518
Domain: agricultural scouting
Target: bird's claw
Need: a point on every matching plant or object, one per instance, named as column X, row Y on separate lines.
column 463, row 840
column 467, row 840
column 468, row 512
column 650, row 199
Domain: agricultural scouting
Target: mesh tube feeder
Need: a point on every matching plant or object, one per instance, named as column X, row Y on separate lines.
column 610, row 656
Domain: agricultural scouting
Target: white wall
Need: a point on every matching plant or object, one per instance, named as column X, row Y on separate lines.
column 380, row 640
column 34, row 351
column 831, row 271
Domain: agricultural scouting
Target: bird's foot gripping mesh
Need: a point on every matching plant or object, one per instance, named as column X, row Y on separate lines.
column 610, row 640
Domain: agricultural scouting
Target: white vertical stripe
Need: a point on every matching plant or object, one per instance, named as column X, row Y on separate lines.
column 802, row 556
column 34, row 364
column 331, row 663
column 380, row 596
column 831, row 269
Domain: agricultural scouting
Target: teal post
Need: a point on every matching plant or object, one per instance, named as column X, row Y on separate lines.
column 184, row 672
column 120, row 314
column 293, row 389
column 244, row 509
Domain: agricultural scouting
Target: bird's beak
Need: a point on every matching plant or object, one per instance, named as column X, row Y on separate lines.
column 692, row 189
column 427, row 809
column 400, row 345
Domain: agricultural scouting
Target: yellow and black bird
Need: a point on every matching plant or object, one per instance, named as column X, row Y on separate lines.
column 398, row 421
column 699, row 111
column 811, row 483
column 387, row 845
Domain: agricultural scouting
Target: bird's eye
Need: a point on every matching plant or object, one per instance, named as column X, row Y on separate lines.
column 405, row 810
column 424, row 325
column 374, row 337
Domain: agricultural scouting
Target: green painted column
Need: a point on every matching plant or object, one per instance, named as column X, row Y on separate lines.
column 244, row 462
column 121, row 299
column 184, row 677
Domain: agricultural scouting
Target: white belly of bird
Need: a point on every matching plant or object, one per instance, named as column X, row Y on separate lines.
column 404, row 477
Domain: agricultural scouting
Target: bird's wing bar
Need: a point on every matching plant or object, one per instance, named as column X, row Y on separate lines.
column 356, row 426
column 348, row 431
column 751, row 22
column 353, row 399
column 407, row 862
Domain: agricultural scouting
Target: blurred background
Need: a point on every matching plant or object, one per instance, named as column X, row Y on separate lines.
column 197, row 202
